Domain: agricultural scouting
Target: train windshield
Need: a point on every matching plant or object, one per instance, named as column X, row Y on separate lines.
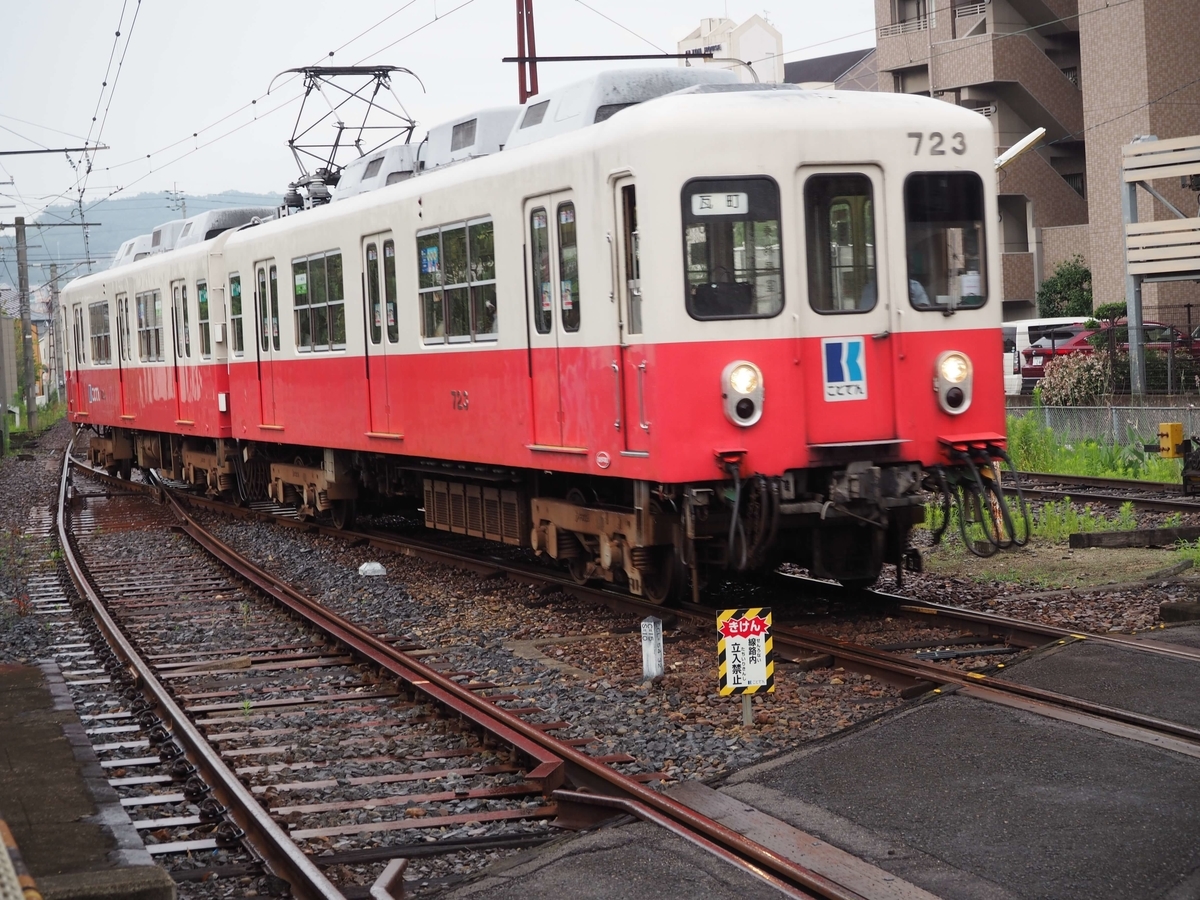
column 945, row 241
column 731, row 248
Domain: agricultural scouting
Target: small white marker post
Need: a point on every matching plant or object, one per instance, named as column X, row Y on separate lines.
column 652, row 648
column 747, row 709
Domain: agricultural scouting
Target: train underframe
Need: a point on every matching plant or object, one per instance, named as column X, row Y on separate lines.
column 663, row 542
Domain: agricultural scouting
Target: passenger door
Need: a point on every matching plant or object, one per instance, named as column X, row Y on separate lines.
column 181, row 328
column 557, row 364
column 849, row 335
column 79, row 345
column 124, row 350
column 266, row 303
column 630, row 366
column 382, row 335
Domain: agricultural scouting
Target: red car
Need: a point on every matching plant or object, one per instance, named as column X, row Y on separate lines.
column 1068, row 339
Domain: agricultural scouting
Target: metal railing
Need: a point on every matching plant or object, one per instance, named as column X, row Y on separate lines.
column 921, row 23
column 972, row 9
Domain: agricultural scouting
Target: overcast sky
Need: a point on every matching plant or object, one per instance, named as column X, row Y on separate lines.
column 194, row 68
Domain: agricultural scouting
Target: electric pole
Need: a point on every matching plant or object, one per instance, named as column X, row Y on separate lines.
column 53, row 338
column 26, row 327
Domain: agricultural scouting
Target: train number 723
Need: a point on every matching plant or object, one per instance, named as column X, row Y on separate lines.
column 936, row 140
column 460, row 400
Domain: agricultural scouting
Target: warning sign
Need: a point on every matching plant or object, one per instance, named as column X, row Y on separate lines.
column 745, row 653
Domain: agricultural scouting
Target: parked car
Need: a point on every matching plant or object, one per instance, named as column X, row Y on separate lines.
column 1065, row 340
column 1019, row 334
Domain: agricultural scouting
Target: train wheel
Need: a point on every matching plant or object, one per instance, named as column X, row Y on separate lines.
column 343, row 513
column 665, row 582
column 580, row 569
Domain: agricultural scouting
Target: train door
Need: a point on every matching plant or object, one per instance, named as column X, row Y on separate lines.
column 181, row 360
column 558, row 384
column 79, row 345
column 630, row 367
column 383, row 334
column 266, row 302
column 849, row 325
column 124, row 352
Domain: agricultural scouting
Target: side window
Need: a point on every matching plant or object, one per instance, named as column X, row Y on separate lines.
column 945, row 246
column 456, row 267
column 483, row 280
column 375, row 312
column 568, row 266
column 389, row 284
column 80, row 359
column 150, row 326
column 633, row 274
column 236, row 336
column 319, row 307
column 264, row 311
column 731, row 246
column 543, row 312
column 454, row 277
column 839, row 219
column 274, row 284
column 101, row 342
column 98, row 326
column 202, row 320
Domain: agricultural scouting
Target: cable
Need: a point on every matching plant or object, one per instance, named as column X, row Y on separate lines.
column 622, row 27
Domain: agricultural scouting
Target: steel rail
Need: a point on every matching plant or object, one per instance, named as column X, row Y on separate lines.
column 1150, row 503
column 1132, row 484
column 583, row 770
column 279, row 853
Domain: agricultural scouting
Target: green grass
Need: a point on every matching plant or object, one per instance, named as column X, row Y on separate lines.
column 1036, row 448
column 1053, row 522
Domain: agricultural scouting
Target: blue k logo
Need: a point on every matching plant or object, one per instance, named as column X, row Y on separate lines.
column 844, row 368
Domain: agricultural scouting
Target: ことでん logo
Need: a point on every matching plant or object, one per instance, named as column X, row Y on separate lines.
column 845, row 368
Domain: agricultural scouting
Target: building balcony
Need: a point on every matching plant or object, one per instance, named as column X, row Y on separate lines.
column 1028, row 80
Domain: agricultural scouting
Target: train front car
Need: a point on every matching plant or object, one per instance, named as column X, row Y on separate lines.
column 824, row 334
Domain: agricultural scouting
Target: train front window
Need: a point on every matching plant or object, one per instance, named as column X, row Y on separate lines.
column 839, row 219
column 731, row 248
column 945, row 241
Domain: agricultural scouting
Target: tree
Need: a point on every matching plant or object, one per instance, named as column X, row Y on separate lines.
column 1068, row 292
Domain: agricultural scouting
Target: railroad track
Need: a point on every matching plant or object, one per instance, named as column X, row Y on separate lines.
column 234, row 699
column 1155, row 496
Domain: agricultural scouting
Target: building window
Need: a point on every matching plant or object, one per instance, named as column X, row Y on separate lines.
column 203, row 320
column 945, row 240
column 840, row 224
column 101, row 342
column 236, row 340
column 150, row 326
column 456, row 266
column 731, row 248
column 319, row 302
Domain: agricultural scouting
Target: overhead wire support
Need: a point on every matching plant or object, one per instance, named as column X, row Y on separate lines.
column 55, row 150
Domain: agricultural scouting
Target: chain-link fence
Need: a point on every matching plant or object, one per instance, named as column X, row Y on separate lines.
column 1110, row 425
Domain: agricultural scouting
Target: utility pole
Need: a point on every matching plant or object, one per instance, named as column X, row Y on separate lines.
column 26, row 327
column 52, row 339
column 527, row 80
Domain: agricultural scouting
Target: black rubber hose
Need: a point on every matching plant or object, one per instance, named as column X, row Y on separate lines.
column 1024, row 506
column 947, row 499
column 985, row 521
column 737, row 506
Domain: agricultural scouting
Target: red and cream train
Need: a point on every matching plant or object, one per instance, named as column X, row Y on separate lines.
column 655, row 324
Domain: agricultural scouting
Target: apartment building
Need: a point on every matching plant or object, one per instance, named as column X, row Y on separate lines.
column 1095, row 74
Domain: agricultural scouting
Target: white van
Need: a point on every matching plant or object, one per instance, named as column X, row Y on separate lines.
column 1021, row 333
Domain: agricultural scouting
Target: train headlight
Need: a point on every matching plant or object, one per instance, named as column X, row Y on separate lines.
column 953, row 377
column 742, row 392
column 744, row 378
column 954, row 368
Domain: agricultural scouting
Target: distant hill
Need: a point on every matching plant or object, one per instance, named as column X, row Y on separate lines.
column 120, row 219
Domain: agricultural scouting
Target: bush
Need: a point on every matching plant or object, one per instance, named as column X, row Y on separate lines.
column 1068, row 292
column 1078, row 379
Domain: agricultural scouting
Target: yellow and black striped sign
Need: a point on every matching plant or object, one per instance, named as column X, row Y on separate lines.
column 745, row 651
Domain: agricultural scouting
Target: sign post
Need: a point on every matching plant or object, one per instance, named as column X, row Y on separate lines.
column 652, row 648
column 745, row 655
